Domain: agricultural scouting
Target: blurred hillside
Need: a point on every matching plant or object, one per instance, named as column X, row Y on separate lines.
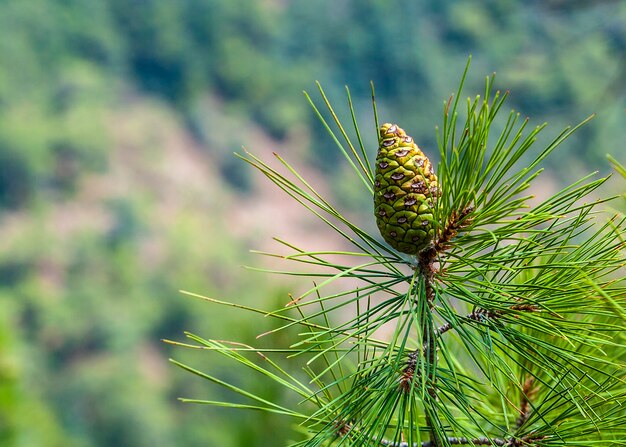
column 118, row 187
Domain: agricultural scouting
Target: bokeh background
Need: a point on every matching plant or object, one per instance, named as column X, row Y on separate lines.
column 118, row 187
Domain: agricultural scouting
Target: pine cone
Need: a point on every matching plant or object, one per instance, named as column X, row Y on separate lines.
column 405, row 192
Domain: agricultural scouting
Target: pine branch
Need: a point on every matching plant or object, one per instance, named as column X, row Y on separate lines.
column 544, row 287
column 453, row 441
column 426, row 269
column 527, row 441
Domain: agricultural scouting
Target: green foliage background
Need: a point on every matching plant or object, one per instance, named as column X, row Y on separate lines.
column 100, row 229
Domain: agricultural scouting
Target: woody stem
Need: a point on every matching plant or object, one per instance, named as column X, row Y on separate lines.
column 425, row 262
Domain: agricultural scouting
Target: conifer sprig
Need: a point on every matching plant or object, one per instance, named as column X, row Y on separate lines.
column 507, row 330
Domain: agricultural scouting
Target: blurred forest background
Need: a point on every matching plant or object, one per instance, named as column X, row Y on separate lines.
column 118, row 187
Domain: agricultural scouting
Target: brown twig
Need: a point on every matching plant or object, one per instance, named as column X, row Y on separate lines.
column 343, row 428
column 408, row 373
column 528, row 392
column 528, row 440
column 451, row 440
column 425, row 263
column 476, row 315
column 426, row 260
column 480, row 314
column 456, row 222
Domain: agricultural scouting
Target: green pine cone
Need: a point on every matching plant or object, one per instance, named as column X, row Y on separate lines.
column 405, row 192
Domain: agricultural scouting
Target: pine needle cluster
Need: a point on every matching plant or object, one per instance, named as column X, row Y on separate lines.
column 507, row 330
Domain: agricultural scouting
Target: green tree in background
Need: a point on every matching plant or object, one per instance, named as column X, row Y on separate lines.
column 118, row 120
column 505, row 330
